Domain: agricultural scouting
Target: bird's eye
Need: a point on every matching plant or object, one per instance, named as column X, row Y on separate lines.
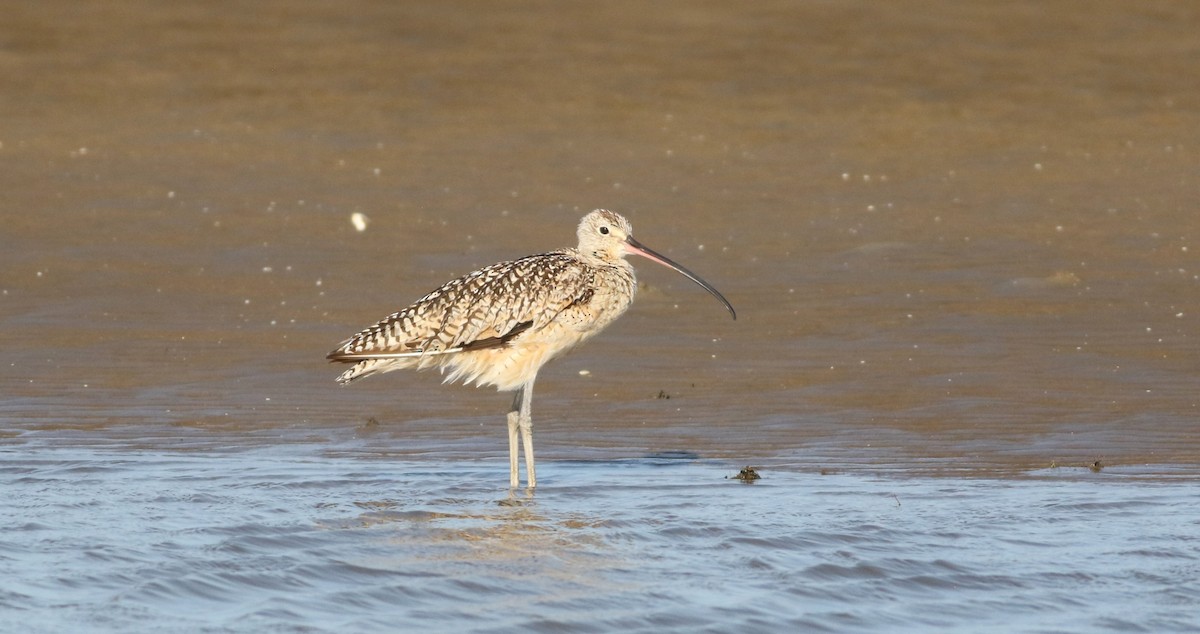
column 604, row 230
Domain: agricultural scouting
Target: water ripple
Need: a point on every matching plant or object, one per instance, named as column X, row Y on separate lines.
column 276, row 541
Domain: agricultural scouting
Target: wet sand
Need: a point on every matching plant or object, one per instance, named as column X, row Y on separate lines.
column 961, row 238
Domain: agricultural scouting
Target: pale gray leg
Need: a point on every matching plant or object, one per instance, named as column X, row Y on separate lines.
column 526, row 421
column 514, row 420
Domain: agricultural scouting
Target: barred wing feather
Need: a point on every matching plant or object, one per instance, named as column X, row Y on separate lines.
column 486, row 308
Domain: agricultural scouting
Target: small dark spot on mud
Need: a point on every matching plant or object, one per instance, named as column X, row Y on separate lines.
column 663, row 394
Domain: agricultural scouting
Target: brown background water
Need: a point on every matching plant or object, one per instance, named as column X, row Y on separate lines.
column 962, row 239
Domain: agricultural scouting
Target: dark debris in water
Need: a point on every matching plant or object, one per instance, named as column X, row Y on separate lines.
column 747, row 475
column 1095, row 466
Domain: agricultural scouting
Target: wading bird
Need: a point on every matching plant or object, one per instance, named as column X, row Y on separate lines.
column 499, row 325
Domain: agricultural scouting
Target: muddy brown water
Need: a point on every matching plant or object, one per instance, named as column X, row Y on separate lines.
column 962, row 239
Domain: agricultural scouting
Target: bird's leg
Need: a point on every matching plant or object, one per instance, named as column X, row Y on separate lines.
column 527, row 431
column 514, row 421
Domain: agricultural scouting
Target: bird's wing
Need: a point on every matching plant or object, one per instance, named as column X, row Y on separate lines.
column 485, row 308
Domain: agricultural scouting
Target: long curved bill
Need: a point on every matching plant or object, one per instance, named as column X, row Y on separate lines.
column 637, row 248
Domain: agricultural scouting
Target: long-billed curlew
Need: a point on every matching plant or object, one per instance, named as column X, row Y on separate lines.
column 499, row 325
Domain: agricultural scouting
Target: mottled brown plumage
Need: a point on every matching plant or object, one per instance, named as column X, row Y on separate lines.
column 500, row 324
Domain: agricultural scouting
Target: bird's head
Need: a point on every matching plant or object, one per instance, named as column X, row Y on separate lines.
column 607, row 236
column 603, row 235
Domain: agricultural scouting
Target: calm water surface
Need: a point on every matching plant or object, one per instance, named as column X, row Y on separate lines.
column 962, row 239
column 304, row 539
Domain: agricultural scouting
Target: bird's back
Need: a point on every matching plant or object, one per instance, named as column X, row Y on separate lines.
column 486, row 310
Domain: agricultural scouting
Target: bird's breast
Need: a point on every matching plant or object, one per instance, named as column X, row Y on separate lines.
column 607, row 297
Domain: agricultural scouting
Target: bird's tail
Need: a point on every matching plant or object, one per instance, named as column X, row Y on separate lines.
column 368, row 363
column 358, row 370
column 367, row 367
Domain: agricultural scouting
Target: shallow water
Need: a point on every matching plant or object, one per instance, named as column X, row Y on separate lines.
column 962, row 240
column 299, row 539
